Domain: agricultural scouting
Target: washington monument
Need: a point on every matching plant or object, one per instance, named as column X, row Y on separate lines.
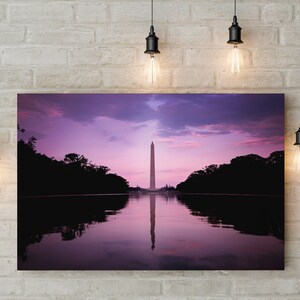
column 152, row 167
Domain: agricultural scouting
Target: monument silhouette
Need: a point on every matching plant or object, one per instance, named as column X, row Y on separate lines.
column 152, row 167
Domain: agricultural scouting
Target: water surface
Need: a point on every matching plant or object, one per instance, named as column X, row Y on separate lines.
column 150, row 232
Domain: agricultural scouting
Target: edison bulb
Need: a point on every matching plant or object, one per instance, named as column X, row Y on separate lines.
column 235, row 60
column 296, row 161
column 153, row 70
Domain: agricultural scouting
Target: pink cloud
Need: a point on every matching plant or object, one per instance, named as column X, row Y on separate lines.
column 185, row 145
column 276, row 140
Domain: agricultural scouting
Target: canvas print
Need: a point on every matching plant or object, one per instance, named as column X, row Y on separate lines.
column 150, row 181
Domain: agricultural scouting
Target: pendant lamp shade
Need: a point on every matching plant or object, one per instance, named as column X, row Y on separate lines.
column 152, row 42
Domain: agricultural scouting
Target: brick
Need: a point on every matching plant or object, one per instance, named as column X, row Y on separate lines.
column 220, row 58
column 292, row 230
column 14, row 136
column 213, row 11
column 2, row 13
column 192, row 78
column 250, row 79
column 273, row 297
column 7, row 99
column 292, row 213
column 293, row 265
column 292, row 119
column 73, row 298
column 168, row 11
column 297, row 12
column 15, row 78
column 280, row 57
column 8, row 212
column 4, row 135
column 11, row 287
column 258, row 35
column 32, row 298
column 131, row 34
column 92, row 13
column 129, row 12
column 265, row 287
column 133, row 77
column 7, row 267
column 34, row 56
column 292, row 167
column 277, row 13
column 292, row 249
column 98, row 56
column 290, row 35
column 291, row 191
column 158, row 274
column 8, row 249
column 70, row 78
column 289, row 139
column 39, row 287
column 9, row 175
column 61, row 35
column 7, row 118
column 292, row 98
column 189, row 35
column 169, row 57
column 125, row 287
column 293, row 79
column 40, row 13
column 4, row 230
column 10, row 190
column 9, row 154
column 251, row 35
column 11, row 34
column 197, row 287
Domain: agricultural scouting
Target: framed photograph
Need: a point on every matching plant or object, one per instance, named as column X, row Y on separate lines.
column 150, row 181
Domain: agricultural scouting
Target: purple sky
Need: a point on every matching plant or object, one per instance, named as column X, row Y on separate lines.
column 189, row 131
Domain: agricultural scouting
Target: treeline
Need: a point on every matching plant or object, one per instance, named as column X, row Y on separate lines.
column 39, row 174
column 69, row 216
column 249, row 174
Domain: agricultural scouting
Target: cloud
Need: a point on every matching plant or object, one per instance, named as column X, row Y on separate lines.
column 252, row 142
column 258, row 115
column 85, row 107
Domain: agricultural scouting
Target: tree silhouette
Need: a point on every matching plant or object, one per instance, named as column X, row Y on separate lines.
column 248, row 174
column 76, row 160
column 39, row 174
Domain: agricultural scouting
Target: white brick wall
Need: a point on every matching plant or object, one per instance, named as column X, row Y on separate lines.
column 97, row 46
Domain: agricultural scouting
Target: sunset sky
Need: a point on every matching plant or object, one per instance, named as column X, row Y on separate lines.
column 189, row 131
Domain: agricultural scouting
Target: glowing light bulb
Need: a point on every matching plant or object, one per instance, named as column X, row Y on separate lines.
column 153, row 69
column 296, row 161
column 235, row 60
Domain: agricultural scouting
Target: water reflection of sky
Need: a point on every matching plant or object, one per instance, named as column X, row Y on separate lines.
column 182, row 241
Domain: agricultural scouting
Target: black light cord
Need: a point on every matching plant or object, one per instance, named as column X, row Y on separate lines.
column 235, row 7
column 152, row 12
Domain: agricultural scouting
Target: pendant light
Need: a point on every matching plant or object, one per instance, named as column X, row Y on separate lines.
column 235, row 39
column 297, row 137
column 152, row 49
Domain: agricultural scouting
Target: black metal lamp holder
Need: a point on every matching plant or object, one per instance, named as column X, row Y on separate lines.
column 152, row 42
column 152, row 39
column 235, row 31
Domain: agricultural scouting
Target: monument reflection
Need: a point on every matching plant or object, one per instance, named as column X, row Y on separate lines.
column 152, row 220
column 186, row 232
